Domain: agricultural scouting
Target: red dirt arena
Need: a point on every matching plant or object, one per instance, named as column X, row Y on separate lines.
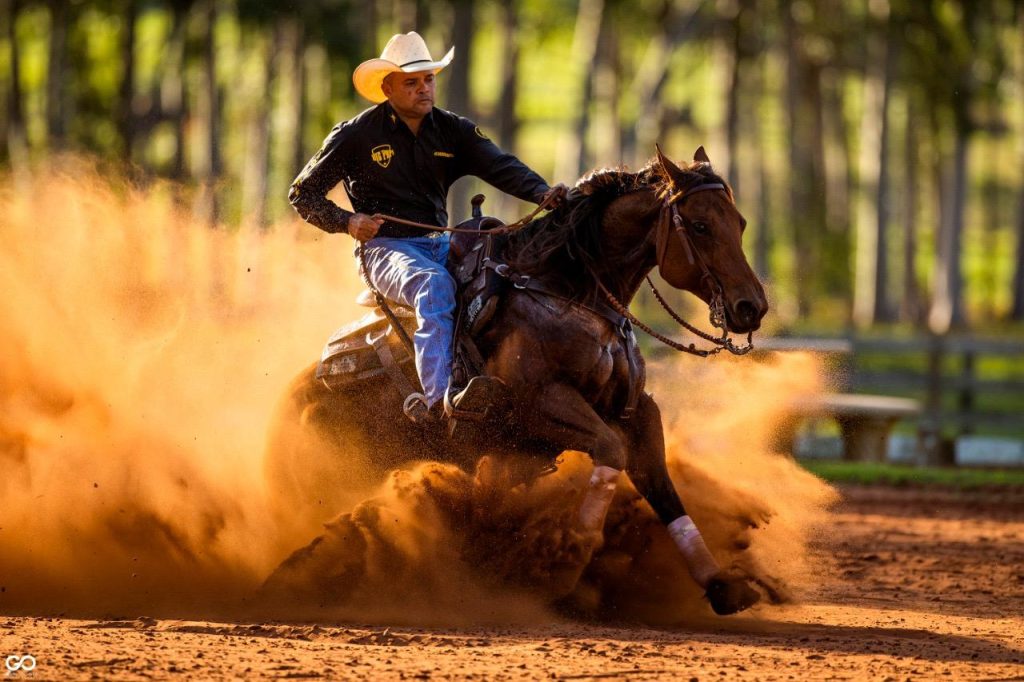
column 914, row 584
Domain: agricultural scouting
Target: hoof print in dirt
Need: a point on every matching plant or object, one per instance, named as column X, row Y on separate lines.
column 730, row 593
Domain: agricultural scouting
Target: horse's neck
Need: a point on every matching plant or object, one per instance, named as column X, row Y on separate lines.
column 627, row 234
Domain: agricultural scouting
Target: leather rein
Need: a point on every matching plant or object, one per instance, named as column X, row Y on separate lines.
column 547, row 203
column 669, row 221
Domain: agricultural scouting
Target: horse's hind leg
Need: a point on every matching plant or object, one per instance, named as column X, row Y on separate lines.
column 649, row 474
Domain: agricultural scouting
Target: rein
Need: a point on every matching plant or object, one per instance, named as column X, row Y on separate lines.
column 500, row 229
column 670, row 213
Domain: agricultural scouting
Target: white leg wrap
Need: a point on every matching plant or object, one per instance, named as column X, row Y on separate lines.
column 599, row 496
column 701, row 564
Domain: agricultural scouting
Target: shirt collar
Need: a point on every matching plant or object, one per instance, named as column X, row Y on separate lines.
column 393, row 123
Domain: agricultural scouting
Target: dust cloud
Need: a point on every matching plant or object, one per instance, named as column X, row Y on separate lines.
column 144, row 357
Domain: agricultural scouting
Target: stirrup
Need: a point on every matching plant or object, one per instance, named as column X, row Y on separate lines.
column 415, row 408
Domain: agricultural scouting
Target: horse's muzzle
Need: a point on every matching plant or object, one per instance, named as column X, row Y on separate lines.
column 745, row 315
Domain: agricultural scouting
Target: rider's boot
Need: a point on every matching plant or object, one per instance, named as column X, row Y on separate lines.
column 479, row 399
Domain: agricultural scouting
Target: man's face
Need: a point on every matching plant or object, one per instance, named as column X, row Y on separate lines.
column 410, row 94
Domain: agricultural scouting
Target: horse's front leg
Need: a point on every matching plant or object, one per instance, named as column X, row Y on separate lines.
column 728, row 593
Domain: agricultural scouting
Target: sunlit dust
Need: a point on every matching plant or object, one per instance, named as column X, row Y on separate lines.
column 145, row 357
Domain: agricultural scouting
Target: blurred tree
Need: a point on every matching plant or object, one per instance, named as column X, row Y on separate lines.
column 209, row 166
column 807, row 212
column 128, row 12
column 457, row 89
column 240, row 93
column 174, row 85
column 1017, row 286
column 57, row 78
column 911, row 304
column 870, row 304
column 508, row 120
column 571, row 148
column 17, row 143
column 262, row 22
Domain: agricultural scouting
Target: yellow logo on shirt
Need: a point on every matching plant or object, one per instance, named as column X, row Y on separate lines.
column 447, row 155
column 382, row 154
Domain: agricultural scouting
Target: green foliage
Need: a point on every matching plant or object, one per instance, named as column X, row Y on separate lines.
column 798, row 91
column 868, row 473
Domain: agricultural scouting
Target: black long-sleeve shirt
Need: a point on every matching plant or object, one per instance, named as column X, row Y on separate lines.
column 387, row 169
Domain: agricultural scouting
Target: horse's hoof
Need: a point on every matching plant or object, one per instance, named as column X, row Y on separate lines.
column 730, row 593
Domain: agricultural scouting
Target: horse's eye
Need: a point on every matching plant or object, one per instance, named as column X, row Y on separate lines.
column 700, row 228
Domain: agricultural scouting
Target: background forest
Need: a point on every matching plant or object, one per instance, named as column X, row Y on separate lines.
column 876, row 146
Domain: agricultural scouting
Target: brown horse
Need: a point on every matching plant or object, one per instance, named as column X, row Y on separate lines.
column 571, row 364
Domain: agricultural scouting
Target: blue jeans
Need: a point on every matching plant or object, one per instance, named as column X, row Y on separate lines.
column 412, row 272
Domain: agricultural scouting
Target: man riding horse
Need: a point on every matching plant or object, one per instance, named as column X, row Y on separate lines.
column 399, row 158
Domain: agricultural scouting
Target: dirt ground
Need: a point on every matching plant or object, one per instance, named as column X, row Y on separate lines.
column 914, row 585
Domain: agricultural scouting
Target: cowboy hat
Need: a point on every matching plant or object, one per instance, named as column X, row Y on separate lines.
column 407, row 53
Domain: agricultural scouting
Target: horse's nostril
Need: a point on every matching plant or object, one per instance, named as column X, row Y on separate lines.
column 746, row 311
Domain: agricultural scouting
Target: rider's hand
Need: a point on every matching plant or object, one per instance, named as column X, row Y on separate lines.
column 364, row 227
column 556, row 195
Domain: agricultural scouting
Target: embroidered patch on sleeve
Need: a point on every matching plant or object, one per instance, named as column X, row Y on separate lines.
column 481, row 133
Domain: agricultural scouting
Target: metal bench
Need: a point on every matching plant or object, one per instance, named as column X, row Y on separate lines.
column 865, row 421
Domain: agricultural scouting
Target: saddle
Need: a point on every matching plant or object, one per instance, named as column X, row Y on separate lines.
column 372, row 347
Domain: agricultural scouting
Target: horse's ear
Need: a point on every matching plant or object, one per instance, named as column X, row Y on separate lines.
column 700, row 155
column 670, row 169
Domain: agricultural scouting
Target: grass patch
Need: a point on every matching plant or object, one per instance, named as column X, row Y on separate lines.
column 873, row 473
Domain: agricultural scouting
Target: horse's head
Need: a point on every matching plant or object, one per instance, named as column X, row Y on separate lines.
column 698, row 236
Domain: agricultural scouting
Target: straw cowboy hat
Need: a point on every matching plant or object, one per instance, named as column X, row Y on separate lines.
column 404, row 52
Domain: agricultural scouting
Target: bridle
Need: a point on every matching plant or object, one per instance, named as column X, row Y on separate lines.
column 670, row 222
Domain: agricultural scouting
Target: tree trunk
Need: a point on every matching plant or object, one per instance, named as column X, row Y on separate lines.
column 1017, row 309
column 589, row 18
column 763, row 241
column 296, row 39
column 257, row 159
column 608, row 150
column 870, row 304
column 56, row 76
column 911, row 307
column 126, row 91
column 733, row 50
column 207, row 203
column 807, row 210
column 507, row 118
column 458, row 94
column 988, row 280
column 508, row 121
column 405, row 13
column 174, row 96
column 17, row 142
column 947, row 303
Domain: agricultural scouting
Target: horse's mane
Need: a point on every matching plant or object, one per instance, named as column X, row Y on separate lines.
column 568, row 240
